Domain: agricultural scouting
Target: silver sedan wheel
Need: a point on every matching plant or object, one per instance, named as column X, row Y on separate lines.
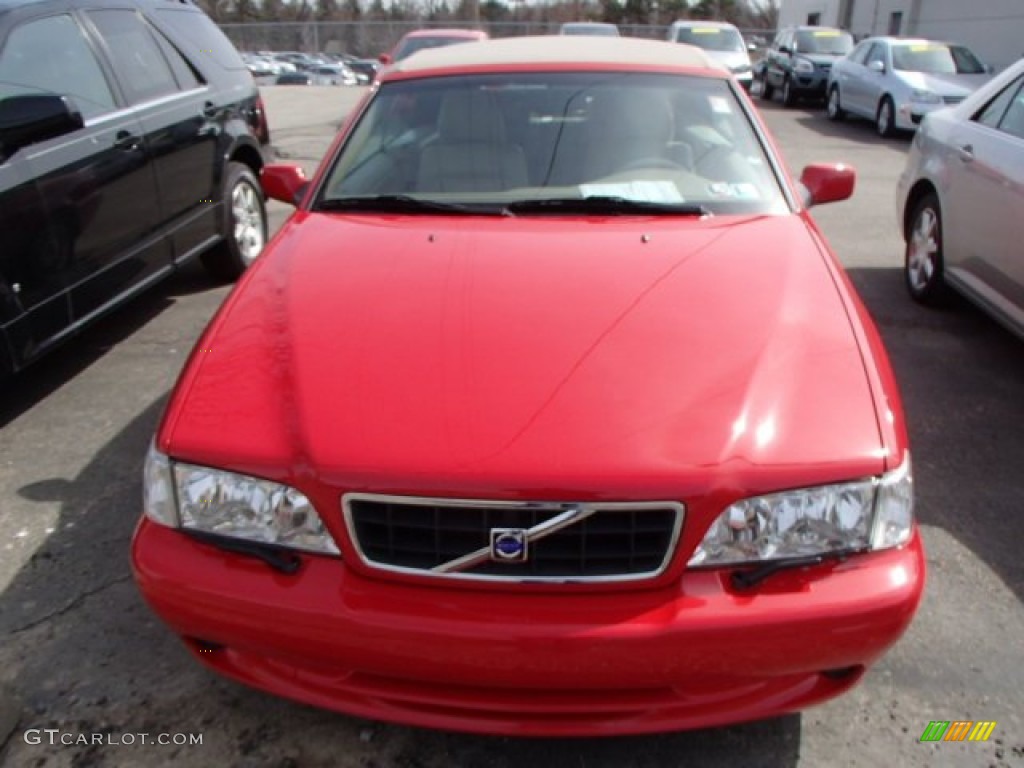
column 922, row 255
column 247, row 214
column 885, row 117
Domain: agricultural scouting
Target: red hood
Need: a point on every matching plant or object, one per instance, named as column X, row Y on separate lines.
column 465, row 356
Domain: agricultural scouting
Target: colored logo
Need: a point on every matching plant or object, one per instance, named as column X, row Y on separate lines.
column 958, row 730
column 508, row 545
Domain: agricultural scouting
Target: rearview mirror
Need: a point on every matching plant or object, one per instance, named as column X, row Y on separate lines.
column 284, row 183
column 827, row 183
column 30, row 118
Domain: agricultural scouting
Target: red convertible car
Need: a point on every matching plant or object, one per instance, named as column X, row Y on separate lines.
column 548, row 412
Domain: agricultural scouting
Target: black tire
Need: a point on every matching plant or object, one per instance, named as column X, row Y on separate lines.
column 244, row 224
column 767, row 89
column 833, row 107
column 923, row 259
column 789, row 97
column 885, row 118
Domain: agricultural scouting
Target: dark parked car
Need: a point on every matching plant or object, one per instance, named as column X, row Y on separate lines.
column 799, row 61
column 131, row 140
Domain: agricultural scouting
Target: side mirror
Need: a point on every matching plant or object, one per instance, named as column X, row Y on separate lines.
column 785, row 49
column 877, row 66
column 384, row 58
column 827, row 183
column 284, row 183
column 30, row 118
column 751, row 46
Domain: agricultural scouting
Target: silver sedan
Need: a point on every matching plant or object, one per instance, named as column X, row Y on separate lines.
column 896, row 81
column 961, row 202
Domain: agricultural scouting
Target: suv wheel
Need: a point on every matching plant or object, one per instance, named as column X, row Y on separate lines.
column 923, row 261
column 788, row 94
column 767, row 89
column 885, row 119
column 833, row 108
column 244, row 226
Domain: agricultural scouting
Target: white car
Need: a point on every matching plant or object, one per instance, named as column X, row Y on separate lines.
column 721, row 41
column 961, row 201
column 895, row 81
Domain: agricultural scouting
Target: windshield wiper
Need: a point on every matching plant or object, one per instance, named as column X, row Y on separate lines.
column 748, row 579
column 404, row 204
column 605, row 204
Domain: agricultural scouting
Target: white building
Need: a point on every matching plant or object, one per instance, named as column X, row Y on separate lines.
column 994, row 29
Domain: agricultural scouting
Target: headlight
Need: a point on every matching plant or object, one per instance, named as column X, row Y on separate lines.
column 227, row 504
column 925, row 97
column 803, row 65
column 876, row 513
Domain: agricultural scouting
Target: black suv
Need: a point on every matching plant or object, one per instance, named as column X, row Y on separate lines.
column 131, row 140
column 799, row 60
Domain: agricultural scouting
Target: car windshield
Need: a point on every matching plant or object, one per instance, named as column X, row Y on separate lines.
column 711, row 38
column 827, row 41
column 413, row 44
column 594, row 30
column 936, row 58
column 484, row 142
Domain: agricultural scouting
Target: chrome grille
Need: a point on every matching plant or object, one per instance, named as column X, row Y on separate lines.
column 452, row 538
column 952, row 99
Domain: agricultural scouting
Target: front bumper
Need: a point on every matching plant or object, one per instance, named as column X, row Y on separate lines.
column 810, row 84
column 910, row 114
column 544, row 662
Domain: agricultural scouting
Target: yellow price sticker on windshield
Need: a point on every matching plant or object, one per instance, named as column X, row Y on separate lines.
column 827, row 33
column 922, row 48
column 706, row 30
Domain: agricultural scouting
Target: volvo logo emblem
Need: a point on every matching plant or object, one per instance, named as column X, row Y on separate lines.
column 509, row 545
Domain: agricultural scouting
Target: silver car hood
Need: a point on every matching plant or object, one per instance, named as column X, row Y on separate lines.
column 731, row 59
column 943, row 84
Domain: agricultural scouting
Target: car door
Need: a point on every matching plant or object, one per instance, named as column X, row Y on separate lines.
column 775, row 72
column 178, row 116
column 984, row 225
column 870, row 80
column 95, row 186
column 847, row 73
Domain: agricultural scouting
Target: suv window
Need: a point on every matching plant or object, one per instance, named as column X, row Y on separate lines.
column 51, row 55
column 203, row 35
column 184, row 72
column 140, row 65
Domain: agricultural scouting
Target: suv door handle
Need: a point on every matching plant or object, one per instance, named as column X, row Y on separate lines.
column 127, row 141
column 209, row 110
column 966, row 153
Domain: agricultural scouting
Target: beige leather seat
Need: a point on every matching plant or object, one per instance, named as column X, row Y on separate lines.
column 471, row 153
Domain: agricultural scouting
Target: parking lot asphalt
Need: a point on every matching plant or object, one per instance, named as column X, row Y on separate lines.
column 81, row 655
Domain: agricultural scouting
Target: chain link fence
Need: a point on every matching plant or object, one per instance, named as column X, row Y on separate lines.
column 368, row 39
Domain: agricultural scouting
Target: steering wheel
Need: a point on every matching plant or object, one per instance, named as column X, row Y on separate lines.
column 651, row 162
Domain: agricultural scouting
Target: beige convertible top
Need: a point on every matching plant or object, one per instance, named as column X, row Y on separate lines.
column 555, row 49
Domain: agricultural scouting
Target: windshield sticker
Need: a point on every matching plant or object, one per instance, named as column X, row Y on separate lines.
column 640, row 191
column 827, row 33
column 720, row 105
column 740, row 191
column 705, row 31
